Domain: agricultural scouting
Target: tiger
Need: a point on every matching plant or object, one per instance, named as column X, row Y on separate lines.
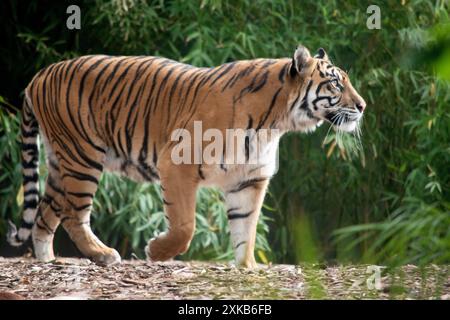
column 118, row 113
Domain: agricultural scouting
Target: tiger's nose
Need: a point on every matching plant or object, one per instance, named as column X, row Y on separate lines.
column 361, row 105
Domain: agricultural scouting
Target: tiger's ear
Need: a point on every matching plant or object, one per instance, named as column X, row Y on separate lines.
column 300, row 61
column 321, row 54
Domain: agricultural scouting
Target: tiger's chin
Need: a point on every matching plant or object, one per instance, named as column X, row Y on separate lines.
column 349, row 126
column 310, row 126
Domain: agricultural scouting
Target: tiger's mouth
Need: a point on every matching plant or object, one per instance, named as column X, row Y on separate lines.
column 343, row 120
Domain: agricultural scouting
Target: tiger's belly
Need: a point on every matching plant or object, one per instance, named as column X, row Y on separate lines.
column 228, row 175
column 139, row 172
column 263, row 163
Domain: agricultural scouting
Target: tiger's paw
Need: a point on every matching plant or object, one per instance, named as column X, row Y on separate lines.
column 249, row 263
column 43, row 250
column 155, row 251
column 107, row 258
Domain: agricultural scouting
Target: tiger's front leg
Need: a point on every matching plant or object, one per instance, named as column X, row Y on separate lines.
column 244, row 202
column 179, row 184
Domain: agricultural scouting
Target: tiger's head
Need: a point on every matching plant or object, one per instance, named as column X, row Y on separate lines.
column 324, row 93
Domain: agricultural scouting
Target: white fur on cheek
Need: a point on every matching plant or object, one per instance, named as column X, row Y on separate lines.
column 304, row 123
column 348, row 126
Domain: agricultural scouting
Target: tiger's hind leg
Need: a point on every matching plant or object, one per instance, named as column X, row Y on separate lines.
column 80, row 184
column 48, row 216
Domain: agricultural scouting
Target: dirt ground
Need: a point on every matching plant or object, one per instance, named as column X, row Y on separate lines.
column 70, row 278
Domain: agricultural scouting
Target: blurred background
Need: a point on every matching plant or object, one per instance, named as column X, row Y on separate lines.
column 386, row 203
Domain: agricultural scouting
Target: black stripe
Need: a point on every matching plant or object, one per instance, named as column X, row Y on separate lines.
column 30, row 133
column 222, row 166
column 246, row 184
column 155, row 155
column 235, row 76
column 282, row 73
column 88, row 160
column 269, row 62
column 80, row 96
column 131, row 126
column 119, row 79
column 95, row 87
column 28, row 122
column 69, row 65
column 51, row 184
column 239, row 244
column 251, row 88
column 30, row 192
column 119, row 140
column 163, row 66
column 144, row 147
column 224, row 72
column 81, row 194
column 30, row 204
column 79, row 208
column 261, row 83
column 320, row 85
column 112, row 73
column 44, row 227
column 167, row 203
column 79, row 176
column 118, row 97
column 247, row 138
column 232, row 209
column 200, row 172
column 148, row 172
column 53, row 165
column 65, row 218
column 295, row 101
column 52, row 202
column 232, row 81
column 186, row 97
column 257, row 168
column 172, row 89
column 233, row 216
column 199, row 85
column 162, row 86
column 27, row 179
column 272, row 104
column 55, row 210
column 26, row 225
column 304, row 104
column 32, row 164
column 30, row 146
column 47, row 227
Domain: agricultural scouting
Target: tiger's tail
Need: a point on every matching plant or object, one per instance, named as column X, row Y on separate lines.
column 30, row 163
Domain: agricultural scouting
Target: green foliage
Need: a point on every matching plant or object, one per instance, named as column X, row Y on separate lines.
column 433, row 50
column 415, row 232
column 10, row 166
column 386, row 201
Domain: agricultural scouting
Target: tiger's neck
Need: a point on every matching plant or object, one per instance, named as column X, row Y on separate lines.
column 294, row 112
column 285, row 106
